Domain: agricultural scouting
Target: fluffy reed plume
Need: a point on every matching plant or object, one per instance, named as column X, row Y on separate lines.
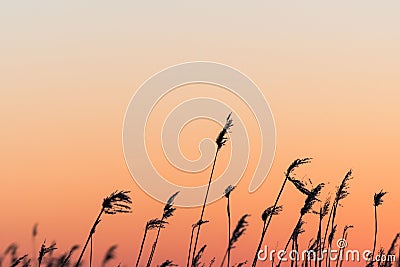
column 194, row 227
column 167, row 263
column 150, row 225
column 117, row 202
column 289, row 174
column 197, row 258
column 391, row 250
column 65, row 259
column 344, row 237
column 167, row 212
column 323, row 211
column 110, row 255
column 45, row 250
column 240, row 229
column 220, row 141
column 308, row 204
column 300, row 186
column 341, row 193
column 378, row 201
column 227, row 194
column 19, row 260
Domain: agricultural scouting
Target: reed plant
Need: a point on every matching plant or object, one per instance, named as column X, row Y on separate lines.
column 150, row 225
column 307, row 207
column 378, row 201
column 168, row 212
column 45, row 250
column 341, row 193
column 220, row 142
column 227, row 195
column 117, row 202
column 289, row 176
column 240, row 229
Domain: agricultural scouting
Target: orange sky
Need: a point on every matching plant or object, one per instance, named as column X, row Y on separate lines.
column 330, row 73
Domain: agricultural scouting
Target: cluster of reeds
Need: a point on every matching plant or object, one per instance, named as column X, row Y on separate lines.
column 120, row 202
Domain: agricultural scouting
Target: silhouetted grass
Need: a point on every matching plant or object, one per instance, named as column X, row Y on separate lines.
column 288, row 176
column 110, row 255
column 240, row 229
column 220, row 141
column 378, row 200
column 227, row 195
column 308, row 204
column 167, row 212
column 117, row 202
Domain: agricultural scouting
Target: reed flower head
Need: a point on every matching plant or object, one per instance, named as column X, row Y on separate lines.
column 168, row 209
column 296, row 164
column 155, row 224
column 239, row 230
column 325, row 207
column 65, row 259
column 378, row 198
column 196, row 260
column 45, row 250
column 270, row 211
column 221, row 139
column 110, row 254
column 311, row 199
column 228, row 190
column 342, row 191
column 299, row 185
column 117, row 202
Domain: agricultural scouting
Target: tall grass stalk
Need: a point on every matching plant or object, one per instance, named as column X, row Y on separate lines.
column 167, row 212
column 194, row 227
column 117, row 202
column 308, row 204
column 288, row 176
column 341, row 193
column 240, row 229
column 378, row 201
column 344, row 237
column 150, row 225
column 323, row 211
column 227, row 195
column 220, row 141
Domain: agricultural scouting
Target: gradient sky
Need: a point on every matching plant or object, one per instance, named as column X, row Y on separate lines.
column 330, row 72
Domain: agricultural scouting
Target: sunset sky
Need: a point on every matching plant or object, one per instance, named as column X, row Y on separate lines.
column 329, row 71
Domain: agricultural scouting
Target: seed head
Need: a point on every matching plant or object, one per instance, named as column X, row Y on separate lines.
column 221, row 139
column 117, row 202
